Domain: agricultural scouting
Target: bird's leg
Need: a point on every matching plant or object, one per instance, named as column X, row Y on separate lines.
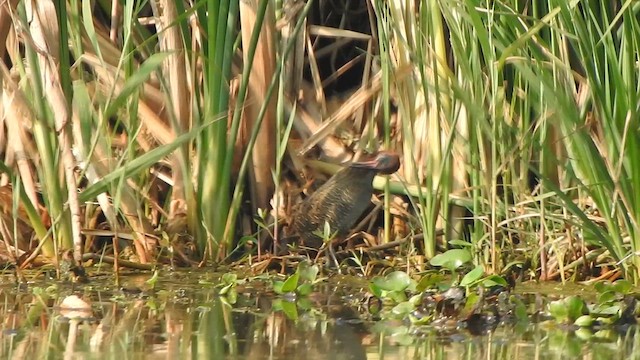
column 332, row 254
column 328, row 245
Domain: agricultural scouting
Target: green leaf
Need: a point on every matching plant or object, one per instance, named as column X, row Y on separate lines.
column 494, row 280
column 403, row 309
column 584, row 321
column 558, row 310
column 135, row 166
column 304, row 289
column 304, row 303
column 568, row 309
column 429, row 281
column 290, row 310
column 622, row 286
column 460, row 243
column 135, row 81
column 470, row 302
column 472, row 276
column 607, row 297
column 277, row 287
column 375, row 289
column 291, row 284
column 395, row 281
column 229, row 278
column 576, row 306
column 225, row 289
column 397, row 296
column 231, row 296
column 452, row 259
column 602, row 286
column 520, row 309
column 154, row 279
column 308, row 271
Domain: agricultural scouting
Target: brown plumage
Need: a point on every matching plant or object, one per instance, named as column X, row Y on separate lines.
column 342, row 199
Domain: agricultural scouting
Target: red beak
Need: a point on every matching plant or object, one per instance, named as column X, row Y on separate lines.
column 384, row 162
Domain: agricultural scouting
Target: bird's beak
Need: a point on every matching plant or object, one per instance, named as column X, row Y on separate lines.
column 384, row 162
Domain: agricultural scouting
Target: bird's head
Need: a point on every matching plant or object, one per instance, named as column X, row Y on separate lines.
column 384, row 162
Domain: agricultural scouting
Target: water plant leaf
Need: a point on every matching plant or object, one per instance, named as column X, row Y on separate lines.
column 584, row 334
column 304, row 303
column 451, row 259
column 375, row 289
column 494, row 280
column 429, row 281
column 584, row 321
column 470, row 303
column 602, row 286
column 606, row 297
column 460, row 243
column 416, row 299
column 304, row 289
column 154, row 279
column 230, row 296
column 308, row 271
column 396, row 296
column 622, row 286
column 395, row 281
column 229, row 281
column 568, row 309
column 558, row 310
column 472, row 276
column 229, row 278
column 403, row 309
column 291, row 284
column 576, row 306
column 289, row 309
column 608, row 310
column 520, row 309
column 277, row 287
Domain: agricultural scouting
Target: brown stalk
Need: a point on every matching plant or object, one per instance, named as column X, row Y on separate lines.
column 45, row 32
column 357, row 100
column 295, row 63
column 116, row 11
column 17, row 113
column 6, row 7
column 178, row 93
column 5, row 25
column 317, row 81
column 261, row 181
column 306, row 124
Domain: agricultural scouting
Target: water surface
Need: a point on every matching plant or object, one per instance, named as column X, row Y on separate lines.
column 186, row 318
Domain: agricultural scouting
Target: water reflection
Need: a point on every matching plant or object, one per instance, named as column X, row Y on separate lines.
column 184, row 321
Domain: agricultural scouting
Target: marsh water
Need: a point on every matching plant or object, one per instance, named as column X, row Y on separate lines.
column 183, row 316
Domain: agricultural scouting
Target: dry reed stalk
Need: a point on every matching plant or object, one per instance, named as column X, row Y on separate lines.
column 45, row 34
column 350, row 106
column 261, row 180
column 176, row 76
column 17, row 114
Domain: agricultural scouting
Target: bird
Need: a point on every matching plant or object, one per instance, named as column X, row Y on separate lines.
column 341, row 200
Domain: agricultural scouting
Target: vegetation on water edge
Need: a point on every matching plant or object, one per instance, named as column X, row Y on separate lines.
column 132, row 129
column 191, row 312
